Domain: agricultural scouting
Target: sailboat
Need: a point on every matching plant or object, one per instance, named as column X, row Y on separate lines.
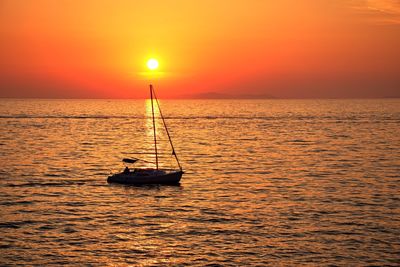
column 153, row 175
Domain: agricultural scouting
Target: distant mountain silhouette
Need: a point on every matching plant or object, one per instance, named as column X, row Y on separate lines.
column 217, row 95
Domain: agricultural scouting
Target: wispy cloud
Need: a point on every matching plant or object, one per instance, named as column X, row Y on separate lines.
column 379, row 11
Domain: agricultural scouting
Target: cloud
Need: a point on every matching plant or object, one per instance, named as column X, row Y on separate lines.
column 379, row 11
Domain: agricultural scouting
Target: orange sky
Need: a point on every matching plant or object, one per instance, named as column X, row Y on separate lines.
column 286, row 48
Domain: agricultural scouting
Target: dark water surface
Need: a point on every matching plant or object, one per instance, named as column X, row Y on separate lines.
column 267, row 182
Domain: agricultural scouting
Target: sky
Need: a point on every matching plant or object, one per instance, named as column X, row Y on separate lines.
column 238, row 49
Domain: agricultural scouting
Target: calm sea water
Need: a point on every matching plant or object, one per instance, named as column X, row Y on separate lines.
column 267, row 182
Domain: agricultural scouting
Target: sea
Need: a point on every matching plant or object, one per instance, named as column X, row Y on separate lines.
column 266, row 183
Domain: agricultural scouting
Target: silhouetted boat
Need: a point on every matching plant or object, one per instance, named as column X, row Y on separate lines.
column 150, row 175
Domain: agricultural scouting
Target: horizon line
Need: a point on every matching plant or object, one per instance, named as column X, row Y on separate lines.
column 198, row 98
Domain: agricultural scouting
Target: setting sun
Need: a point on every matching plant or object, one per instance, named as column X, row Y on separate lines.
column 152, row 64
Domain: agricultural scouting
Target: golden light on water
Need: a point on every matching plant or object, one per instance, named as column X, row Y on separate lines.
column 150, row 133
column 165, row 158
column 282, row 182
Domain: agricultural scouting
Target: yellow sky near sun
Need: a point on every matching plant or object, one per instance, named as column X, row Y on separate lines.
column 284, row 48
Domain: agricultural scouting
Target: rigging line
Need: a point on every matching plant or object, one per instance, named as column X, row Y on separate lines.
column 166, row 129
column 154, row 124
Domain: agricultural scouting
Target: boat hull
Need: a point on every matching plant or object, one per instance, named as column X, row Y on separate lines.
column 167, row 178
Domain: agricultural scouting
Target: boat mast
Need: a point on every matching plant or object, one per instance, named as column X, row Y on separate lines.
column 166, row 129
column 154, row 124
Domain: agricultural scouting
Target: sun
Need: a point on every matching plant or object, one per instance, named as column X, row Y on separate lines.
column 152, row 64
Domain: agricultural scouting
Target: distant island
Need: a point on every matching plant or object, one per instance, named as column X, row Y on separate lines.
column 217, row 95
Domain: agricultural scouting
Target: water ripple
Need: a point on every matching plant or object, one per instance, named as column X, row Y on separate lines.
column 267, row 183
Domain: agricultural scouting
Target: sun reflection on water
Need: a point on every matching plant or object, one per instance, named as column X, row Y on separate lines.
column 163, row 148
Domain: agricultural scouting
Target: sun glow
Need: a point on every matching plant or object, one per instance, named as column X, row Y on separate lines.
column 152, row 64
